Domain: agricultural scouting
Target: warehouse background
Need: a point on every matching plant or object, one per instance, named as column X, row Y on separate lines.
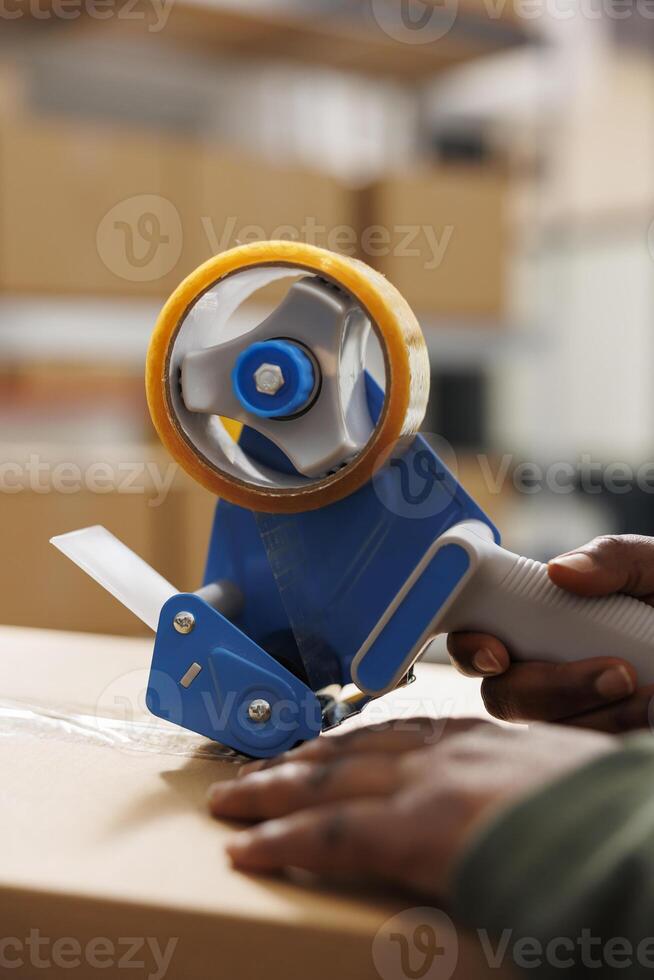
column 495, row 160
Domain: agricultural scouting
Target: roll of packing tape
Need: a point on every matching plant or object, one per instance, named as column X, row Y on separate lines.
column 197, row 315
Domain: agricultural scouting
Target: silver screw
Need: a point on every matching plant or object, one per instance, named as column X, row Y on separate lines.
column 259, row 710
column 184, row 622
column 268, row 379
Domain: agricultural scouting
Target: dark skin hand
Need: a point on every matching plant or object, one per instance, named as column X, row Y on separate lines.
column 397, row 802
column 600, row 693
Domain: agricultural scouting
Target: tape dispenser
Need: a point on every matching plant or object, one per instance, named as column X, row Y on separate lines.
column 341, row 544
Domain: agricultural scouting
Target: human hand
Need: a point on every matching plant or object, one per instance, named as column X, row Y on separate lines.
column 397, row 801
column 600, row 693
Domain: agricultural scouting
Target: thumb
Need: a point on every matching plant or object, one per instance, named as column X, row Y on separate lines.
column 619, row 563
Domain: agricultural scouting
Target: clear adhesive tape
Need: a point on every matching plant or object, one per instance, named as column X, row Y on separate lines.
column 25, row 719
column 405, row 359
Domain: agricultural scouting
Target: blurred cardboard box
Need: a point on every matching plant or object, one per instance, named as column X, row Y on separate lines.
column 112, row 864
column 194, row 531
column 242, row 199
column 46, row 490
column 95, row 209
column 440, row 236
column 601, row 162
column 99, row 210
column 12, row 89
column 85, row 209
column 136, row 491
column 488, row 482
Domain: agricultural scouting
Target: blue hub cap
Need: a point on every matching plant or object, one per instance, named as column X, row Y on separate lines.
column 273, row 378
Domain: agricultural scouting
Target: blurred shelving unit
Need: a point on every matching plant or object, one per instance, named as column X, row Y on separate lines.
column 378, row 37
column 351, row 35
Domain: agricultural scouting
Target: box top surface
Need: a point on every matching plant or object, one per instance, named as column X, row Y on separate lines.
column 99, row 799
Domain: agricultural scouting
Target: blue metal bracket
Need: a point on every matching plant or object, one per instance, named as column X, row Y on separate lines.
column 233, row 672
column 405, row 631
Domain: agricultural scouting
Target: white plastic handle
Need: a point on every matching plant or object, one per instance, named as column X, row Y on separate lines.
column 513, row 598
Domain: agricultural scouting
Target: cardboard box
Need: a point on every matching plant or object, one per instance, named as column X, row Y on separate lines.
column 133, row 491
column 440, row 237
column 106, row 836
column 487, row 481
column 243, row 199
column 102, row 210
column 197, row 509
column 600, row 164
column 12, row 89
column 85, row 209
column 136, row 491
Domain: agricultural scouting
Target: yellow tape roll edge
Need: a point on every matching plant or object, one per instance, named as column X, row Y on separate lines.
column 405, row 358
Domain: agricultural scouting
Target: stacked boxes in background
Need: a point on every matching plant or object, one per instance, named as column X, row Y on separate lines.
column 88, row 209
column 113, row 212
column 448, row 230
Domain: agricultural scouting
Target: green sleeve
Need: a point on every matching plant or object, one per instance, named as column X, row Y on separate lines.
column 564, row 881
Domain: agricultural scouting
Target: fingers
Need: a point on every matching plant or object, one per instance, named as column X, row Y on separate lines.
column 300, row 785
column 352, row 837
column 619, row 563
column 392, row 737
column 552, row 692
column 634, row 713
column 478, row 655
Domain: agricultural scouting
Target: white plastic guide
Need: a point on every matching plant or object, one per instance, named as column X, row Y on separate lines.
column 118, row 570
